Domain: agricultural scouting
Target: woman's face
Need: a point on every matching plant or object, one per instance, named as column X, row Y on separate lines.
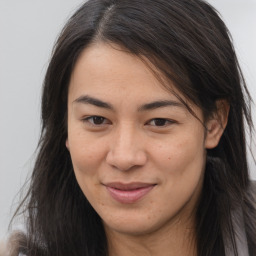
column 137, row 152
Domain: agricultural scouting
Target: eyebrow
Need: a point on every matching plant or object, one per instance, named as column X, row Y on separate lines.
column 160, row 104
column 93, row 101
column 86, row 99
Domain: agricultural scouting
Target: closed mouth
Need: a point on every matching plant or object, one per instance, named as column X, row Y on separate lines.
column 128, row 193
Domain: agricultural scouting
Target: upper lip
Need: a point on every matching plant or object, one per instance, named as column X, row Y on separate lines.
column 128, row 186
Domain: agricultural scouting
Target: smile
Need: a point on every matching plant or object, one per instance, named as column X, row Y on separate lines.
column 128, row 193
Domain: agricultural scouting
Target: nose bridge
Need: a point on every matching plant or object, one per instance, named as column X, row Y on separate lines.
column 126, row 149
column 125, row 137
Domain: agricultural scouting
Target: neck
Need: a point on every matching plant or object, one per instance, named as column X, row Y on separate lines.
column 175, row 240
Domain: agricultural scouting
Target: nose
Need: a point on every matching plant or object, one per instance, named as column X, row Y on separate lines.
column 126, row 150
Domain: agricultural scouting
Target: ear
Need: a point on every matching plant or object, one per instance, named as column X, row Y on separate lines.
column 67, row 144
column 217, row 124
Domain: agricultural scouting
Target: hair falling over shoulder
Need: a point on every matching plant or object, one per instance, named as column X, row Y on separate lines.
column 188, row 43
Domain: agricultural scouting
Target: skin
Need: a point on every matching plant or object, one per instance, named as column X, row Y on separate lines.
column 129, row 144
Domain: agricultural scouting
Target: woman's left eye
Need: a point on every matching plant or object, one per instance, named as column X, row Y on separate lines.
column 96, row 120
column 160, row 122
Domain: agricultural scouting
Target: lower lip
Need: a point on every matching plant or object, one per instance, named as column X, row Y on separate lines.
column 129, row 196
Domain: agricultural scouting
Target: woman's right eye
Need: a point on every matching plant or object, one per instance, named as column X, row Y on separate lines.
column 96, row 120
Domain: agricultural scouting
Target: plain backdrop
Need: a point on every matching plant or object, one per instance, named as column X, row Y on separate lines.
column 28, row 30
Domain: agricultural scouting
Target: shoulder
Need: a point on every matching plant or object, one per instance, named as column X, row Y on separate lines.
column 3, row 248
column 249, row 214
column 253, row 185
column 16, row 244
column 252, row 192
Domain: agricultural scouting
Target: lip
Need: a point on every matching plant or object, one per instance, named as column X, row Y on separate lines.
column 128, row 193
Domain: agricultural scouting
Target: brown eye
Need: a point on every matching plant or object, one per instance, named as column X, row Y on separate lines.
column 96, row 120
column 160, row 122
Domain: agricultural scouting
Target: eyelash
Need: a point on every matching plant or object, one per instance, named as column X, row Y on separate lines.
column 91, row 121
column 166, row 122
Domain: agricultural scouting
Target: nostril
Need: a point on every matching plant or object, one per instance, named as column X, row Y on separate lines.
column 126, row 161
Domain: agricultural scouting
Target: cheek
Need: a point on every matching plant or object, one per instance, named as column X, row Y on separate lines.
column 86, row 152
column 181, row 163
column 180, row 155
column 87, row 156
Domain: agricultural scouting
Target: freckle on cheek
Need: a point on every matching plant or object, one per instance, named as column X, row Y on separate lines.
column 169, row 158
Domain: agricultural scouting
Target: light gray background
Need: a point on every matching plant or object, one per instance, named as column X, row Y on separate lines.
column 28, row 30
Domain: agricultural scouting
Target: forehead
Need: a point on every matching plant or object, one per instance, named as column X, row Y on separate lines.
column 112, row 74
column 109, row 68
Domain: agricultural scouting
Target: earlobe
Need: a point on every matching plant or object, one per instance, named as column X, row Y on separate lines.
column 217, row 124
column 67, row 144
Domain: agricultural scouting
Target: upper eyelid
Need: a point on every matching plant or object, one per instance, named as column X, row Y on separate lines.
column 166, row 119
column 91, row 116
column 86, row 119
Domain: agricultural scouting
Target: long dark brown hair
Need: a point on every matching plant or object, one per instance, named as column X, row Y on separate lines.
column 187, row 43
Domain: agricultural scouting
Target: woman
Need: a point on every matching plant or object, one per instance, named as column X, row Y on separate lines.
column 143, row 142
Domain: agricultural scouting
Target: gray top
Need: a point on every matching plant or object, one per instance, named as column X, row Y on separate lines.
column 240, row 236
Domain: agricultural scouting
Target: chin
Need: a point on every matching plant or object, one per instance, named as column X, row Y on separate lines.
column 132, row 228
column 135, row 224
